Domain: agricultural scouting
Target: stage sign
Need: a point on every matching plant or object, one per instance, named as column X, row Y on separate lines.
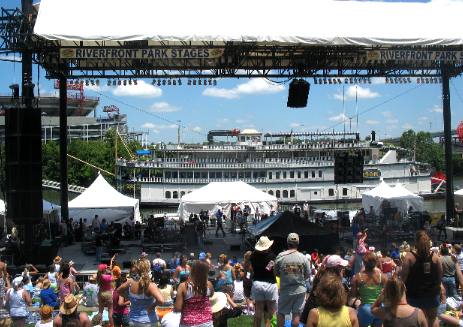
column 372, row 173
column 158, row 53
column 415, row 55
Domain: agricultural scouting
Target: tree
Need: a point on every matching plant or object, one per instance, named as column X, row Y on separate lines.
column 423, row 146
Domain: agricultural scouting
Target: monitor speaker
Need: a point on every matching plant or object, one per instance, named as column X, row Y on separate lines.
column 298, row 93
column 23, row 150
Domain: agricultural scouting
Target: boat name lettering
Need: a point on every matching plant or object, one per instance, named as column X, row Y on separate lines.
column 158, row 53
column 371, row 173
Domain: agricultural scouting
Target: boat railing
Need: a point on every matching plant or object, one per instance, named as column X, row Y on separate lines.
column 196, row 180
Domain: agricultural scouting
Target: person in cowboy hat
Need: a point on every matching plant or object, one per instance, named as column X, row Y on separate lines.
column 57, row 263
column 264, row 288
column 68, row 312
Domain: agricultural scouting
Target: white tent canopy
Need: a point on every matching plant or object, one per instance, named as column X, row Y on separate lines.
column 103, row 200
column 49, row 208
column 223, row 194
column 314, row 22
column 398, row 197
column 459, row 197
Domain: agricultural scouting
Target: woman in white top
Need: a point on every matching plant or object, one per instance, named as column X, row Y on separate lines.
column 18, row 299
column 238, row 288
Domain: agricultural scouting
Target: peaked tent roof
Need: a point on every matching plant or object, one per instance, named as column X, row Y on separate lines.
column 314, row 22
column 381, row 190
column 102, row 195
column 227, row 192
column 401, row 191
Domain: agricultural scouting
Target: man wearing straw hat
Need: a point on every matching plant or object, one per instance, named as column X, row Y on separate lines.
column 68, row 312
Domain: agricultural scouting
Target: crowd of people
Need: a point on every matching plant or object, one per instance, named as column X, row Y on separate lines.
column 401, row 286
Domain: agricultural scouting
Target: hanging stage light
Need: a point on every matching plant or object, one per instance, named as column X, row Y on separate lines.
column 119, row 82
column 174, row 82
column 108, row 82
column 92, row 82
column 315, row 80
column 159, row 82
column 130, row 82
column 169, row 82
column 298, row 93
column 179, row 81
column 124, row 82
column 214, row 82
column 135, row 82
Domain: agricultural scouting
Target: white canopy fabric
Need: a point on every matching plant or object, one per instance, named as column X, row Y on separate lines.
column 459, row 197
column 314, row 22
column 398, row 197
column 221, row 195
column 49, row 207
column 2, row 207
column 103, row 200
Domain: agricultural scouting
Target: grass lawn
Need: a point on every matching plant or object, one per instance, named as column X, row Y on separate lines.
column 241, row 321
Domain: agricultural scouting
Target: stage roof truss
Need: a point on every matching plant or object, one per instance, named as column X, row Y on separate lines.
column 229, row 59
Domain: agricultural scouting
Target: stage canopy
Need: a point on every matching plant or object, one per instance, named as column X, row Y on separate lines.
column 222, row 195
column 103, row 200
column 314, row 22
column 398, row 197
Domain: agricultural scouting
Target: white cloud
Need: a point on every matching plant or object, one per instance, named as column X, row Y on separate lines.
column 295, row 125
column 241, row 121
column 142, row 89
column 163, row 107
column 407, row 126
column 387, row 114
column 371, row 122
column 423, row 119
column 197, row 129
column 357, row 91
column 11, row 57
column 436, row 108
column 392, row 121
column 255, row 86
column 378, row 80
column 157, row 128
column 339, row 118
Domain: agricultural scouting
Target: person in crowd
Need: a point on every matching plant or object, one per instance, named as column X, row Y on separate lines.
column 182, row 271
column 57, row 264
column 458, row 255
column 27, row 285
column 331, row 264
column 72, row 270
column 392, row 308
column 293, row 269
column 331, row 310
column 225, row 268
column 120, row 305
column 219, row 221
column 450, row 270
column 387, row 265
column 17, row 300
column 367, row 286
column 143, row 295
column 264, row 288
column 238, row 286
column 4, row 283
column 52, row 276
column 69, row 315
column 98, row 246
column 193, row 298
column 441, row 227
column 46, row 319
column 66, row 283
column 167, row 292
column 104, row 279
column 171, row 319
column 360, row 250
column 48, row 296
column 422, row 273
column 96, row 224
column 90, row 292
column 159, row 265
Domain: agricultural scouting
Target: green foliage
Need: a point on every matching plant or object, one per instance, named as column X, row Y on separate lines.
column 100, row 153
column 424, row 147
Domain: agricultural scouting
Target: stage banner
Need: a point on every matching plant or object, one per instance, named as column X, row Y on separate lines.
column 415, row 55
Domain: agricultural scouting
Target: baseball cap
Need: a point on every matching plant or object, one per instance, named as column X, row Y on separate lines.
column 335, row 260
column 202, row 256
column 293, row 238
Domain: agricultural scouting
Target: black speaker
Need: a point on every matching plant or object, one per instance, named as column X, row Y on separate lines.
column 23, row 150
column 298, row 93
column 358, row 168
column 340, row 168
column 348, row 168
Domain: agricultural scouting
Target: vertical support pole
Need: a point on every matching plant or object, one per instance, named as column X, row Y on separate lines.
column 63, row 145
column 450, row 206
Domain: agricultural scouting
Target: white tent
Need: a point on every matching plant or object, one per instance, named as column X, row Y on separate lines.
column 223, row 194
column 398, row 197
column 49, row 208
column 459, row 198
column 313, row 22
column 103, row 200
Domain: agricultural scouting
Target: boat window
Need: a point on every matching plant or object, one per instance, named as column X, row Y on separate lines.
column 270, row 175
column 330, row 192
column 241, row 174
column 189, row 174
column 344, row 191
column 255, row 174
column 182, row 193
column 218, row 174
column 277, row 194
column 315, row 193
column 291, row 174
column 313, row 173
column 277, row 175
column 204, row 174
column 306, row 174
column 320, row 173
column 247, row 174
column 175, row 195
column 284, row 175
column 262, row 174
column 285, row 193
column 197, row 174
column 299, row 174
column 270, row 192
column 226, row 174
column 182, row 174
column 174, row 174
column 292, row 194
column 168, row 174
column 167, row 194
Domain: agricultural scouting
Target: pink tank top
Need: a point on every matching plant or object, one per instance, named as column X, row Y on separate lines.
column 196, row 309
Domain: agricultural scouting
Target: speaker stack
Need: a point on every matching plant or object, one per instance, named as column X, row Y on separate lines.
column 348, row 168
column 23, row 165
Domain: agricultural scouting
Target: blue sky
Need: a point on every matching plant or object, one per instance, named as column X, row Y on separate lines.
column 257, row 103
